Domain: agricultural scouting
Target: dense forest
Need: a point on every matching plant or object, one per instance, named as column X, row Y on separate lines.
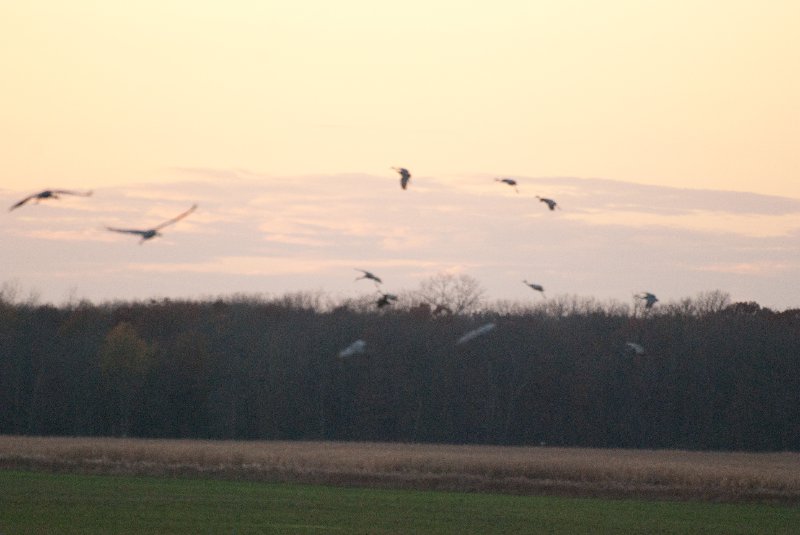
column 712, row 374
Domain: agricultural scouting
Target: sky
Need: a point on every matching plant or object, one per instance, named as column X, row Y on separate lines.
column 667, row 131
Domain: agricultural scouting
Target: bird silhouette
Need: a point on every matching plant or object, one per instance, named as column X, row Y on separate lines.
column 369, row 275
column 509, row 181
column 385, row 299
column 537, row 287
column 49, row 194
column 153, row 232
column 483, row 329
column 648, row 298
column 549, row 202
column 405, row 176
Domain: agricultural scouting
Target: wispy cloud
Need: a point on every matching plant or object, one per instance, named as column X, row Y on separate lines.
column 252, row 230
column 750, row 268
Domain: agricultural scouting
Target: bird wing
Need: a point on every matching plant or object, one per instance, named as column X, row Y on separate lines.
column 368, row 275
column 71, row 192
column 176, row 219
column 128, row 231
column 23, row 201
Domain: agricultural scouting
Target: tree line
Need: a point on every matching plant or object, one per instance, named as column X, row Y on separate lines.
column 714, row 374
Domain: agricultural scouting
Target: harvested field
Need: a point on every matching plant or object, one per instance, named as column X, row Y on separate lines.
column 672, row 475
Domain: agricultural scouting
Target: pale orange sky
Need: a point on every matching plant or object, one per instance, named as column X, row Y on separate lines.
column 282, row 120
column 683, row 93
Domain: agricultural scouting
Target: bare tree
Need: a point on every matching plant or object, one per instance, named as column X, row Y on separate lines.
column 461, row 294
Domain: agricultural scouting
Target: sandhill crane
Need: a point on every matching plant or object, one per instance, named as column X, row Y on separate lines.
column 509, row 181
column 549, row 202
column 405, row 176
column 49, row 194
column 153, row 232
column 537, row 287
column 368, row 275
column 648, row 298
column 356, row 348
column 633, row 347
column 385, row 299
column 483, row 329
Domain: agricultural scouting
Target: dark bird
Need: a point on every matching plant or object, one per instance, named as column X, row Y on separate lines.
column 509, row 181
column 537, row 287
column 549, row 202
column 153, row 232
column 368, row 275
column 386, row 299
column 405, row 176
column 49, row 194
column 648, row 298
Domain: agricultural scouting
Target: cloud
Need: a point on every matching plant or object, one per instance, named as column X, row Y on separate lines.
column 282, row 233
column 748, row 268
column 272, row 265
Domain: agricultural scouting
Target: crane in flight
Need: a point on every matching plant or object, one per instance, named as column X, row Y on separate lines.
column 356, row 348
column 549, row 202
column 369, row 275
column 634, row 348
column 483, row 329
column 405, row 176
column 648, row 298
column 153, row 232
column 537, row 287
column 49, row 194
column 509, row 181
column 385, row 300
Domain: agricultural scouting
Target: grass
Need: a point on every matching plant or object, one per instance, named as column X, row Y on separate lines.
column 672, row 475
column 37, row 502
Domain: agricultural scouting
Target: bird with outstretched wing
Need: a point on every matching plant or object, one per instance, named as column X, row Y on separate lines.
column 405, row 176
column 49, row 194
column 153, row 232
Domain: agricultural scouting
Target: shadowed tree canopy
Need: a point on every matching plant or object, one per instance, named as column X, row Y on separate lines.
column 713, row 375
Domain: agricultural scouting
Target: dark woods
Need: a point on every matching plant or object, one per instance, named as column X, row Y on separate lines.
column 712, row 376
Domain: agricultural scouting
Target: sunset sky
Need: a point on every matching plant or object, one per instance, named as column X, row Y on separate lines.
column 668, row 131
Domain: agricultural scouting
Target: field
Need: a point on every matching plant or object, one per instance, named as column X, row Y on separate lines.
column 35, row 502
column 673, row 475
column 106, row 485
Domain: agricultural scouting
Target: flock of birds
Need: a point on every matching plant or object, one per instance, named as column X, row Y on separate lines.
column 145, row 234
column 360, row 346
column 384, row 299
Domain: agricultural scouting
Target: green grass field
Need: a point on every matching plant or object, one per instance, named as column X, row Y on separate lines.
column 36, row 502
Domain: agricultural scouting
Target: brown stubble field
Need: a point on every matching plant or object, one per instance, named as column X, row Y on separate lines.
column 644, row 474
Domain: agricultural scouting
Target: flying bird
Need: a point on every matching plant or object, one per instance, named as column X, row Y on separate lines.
column 385, row 299
column 49, row 194
column 483, row 329
column 648, row 298
column 356, row 348
column 537, row 287
column 368, row 275
column 405, row 176
column 549, row 202
column 153, row 232
column 633, row 347
column 509, row 181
